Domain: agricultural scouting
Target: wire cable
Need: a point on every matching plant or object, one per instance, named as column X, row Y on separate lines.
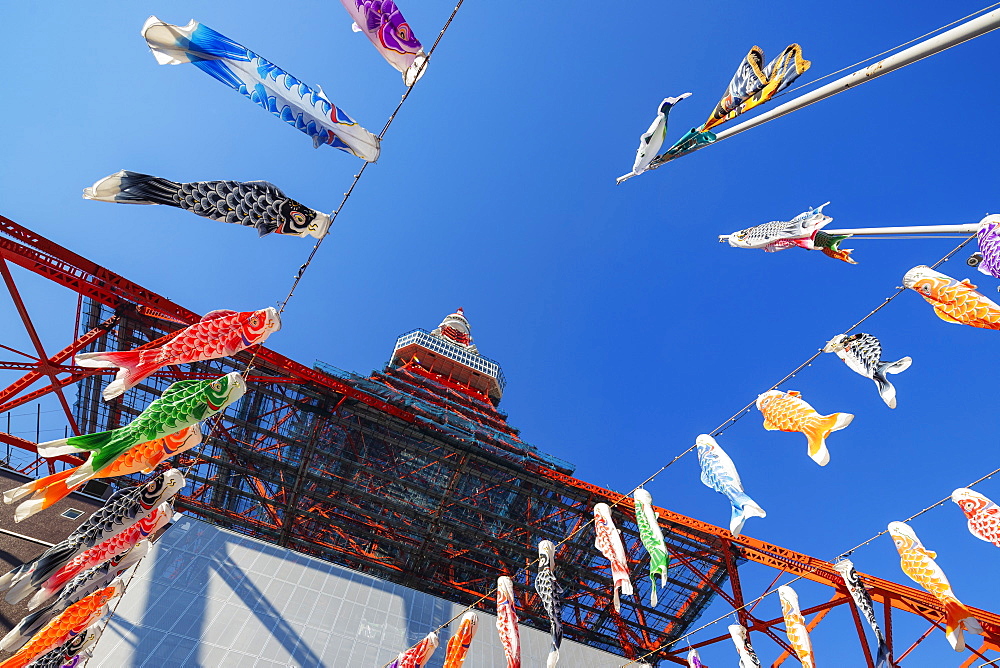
column 718, row 430
column 773, row 589
column 217, row 419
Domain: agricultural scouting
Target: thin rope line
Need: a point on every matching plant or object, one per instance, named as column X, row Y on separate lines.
column 357, row 177
column 799, row 577
column 663, row 158
column 718, row 430
column 217, row 418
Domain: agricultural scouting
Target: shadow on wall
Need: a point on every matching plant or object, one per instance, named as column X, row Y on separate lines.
column 304, row 609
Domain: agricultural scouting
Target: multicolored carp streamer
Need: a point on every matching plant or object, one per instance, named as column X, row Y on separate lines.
column 862, row 353
column 121, row 511
column 919, row 565
column 830, row 245
column 183, row 404
column 458, row 644
column 550, row 592
column 142, row 458
column 218, row 334
column 507, row 622
column 982, row 513
column 652, row 140
column 787, row 411
column 802, row 231
column 648, row 522
column 863, row 601
column 383, row 24
column 418, row 655
column 79, row 646
column 795, row 626
column 113, row 547
column 262, row 82
column 81, row 586
column 754, row 84
column 748, row 658
column 719, row 473
column 70, row 621
column 608, row 540
column 256, row 204
column 694, row 659
column 953, row 301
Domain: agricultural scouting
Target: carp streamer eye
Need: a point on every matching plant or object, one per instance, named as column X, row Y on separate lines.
column 216, row 385
column 254, row 321
column 298, row 217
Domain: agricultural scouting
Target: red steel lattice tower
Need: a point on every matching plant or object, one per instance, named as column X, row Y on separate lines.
column 411, row 473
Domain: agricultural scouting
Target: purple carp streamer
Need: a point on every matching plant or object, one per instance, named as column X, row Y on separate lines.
column 609, row 541
column 989, row 245
column 550, row 592
column 507, row 622
column 383, row 24
column 262, row 82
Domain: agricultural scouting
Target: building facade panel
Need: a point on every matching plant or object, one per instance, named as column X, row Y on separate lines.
column 209, row 597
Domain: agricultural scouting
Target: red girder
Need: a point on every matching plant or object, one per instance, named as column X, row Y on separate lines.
column 45, row 258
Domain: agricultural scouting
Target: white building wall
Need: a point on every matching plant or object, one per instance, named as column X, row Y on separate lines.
column 208, row 597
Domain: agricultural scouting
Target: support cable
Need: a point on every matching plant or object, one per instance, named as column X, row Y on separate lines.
column 932, row 46
column 888, row 51
column 717, row 431
column 840, row 556
column 217, row 419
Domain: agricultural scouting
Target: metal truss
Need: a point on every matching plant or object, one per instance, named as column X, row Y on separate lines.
column 409, row 477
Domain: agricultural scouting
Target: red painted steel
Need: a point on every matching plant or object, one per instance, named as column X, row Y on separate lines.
column 318, row 527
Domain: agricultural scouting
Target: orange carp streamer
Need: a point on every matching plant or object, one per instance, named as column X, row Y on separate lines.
column 953, row 301
column 918, row 563
column 72, row 620
column 787, row 411
column 458, row 644
column 795, row 626
column 143, row 458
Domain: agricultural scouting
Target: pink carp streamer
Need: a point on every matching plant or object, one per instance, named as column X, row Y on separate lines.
column 609, row 542
column 507, row 622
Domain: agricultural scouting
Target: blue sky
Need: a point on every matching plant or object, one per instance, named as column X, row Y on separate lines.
column 623, row 327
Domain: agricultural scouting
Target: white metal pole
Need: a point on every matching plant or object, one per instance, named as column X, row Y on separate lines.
column 969, row 228
column 946, row 40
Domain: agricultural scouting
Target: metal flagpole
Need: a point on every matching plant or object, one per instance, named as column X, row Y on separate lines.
column 970, row 228
column 946, row 40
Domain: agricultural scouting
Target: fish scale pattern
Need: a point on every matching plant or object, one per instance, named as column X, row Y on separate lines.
column 72, row 620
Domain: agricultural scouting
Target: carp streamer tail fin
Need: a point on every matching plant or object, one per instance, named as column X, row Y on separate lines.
column 745, row 509
column 126, row 187
column 131, row 370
